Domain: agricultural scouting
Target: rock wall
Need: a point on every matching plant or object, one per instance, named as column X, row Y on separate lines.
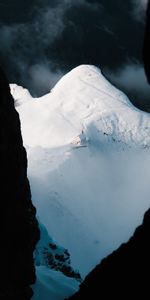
column 19, row 230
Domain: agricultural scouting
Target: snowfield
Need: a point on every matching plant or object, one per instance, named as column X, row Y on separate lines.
column 88, row 164
column 53, row 285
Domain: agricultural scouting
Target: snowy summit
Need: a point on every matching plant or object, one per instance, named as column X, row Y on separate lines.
column 80, row 100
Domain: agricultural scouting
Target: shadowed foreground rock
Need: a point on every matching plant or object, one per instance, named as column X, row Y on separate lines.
column 124, row 273
column 19, row 231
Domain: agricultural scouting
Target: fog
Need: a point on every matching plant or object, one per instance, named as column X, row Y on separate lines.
column 131, row 79
column 97, row 196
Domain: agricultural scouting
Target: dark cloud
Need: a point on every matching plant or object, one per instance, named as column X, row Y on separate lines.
column 24, row 45
column 48, row 38
column 132, row 80
column 139, row 8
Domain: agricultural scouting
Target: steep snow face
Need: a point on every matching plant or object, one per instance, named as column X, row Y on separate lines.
column 88, row 154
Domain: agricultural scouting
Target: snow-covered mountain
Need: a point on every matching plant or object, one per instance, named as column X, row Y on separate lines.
column 80, row 100
column 88, row 163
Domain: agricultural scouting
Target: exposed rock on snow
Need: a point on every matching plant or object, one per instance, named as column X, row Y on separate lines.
column 48, row 253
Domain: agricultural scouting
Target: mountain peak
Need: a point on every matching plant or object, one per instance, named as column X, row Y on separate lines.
column 83, row 100
column 92, row 76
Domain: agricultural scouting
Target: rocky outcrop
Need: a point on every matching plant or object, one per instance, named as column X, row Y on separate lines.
column 48, row 253
column 19, row 231
column 123, row 274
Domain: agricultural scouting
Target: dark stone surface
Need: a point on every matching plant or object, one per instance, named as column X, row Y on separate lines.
column 19, row 230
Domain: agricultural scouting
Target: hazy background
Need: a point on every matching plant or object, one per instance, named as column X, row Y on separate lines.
column 43, row 39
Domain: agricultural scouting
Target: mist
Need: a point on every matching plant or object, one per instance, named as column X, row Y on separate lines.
column 24, row 46
column 131, row 79
column 139, row 9
column 96, row 195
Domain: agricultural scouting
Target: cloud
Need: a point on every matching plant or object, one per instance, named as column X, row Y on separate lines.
column 59, row 35
column 139, row 8
column 131, row 78
column 42, row 77
column 25, row 47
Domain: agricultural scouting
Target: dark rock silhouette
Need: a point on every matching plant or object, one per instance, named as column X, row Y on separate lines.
column 19, row 230
column 124, row 273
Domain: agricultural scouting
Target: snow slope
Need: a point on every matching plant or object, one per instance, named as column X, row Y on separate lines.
column 53, row 285
column 48, row 253
column 89, row 157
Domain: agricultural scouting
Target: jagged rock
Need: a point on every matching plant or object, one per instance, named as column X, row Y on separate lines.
column 48, row 253
column 124, row 273
column 19, row 227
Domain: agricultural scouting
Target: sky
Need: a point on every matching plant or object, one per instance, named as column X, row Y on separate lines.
column 43, row 39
